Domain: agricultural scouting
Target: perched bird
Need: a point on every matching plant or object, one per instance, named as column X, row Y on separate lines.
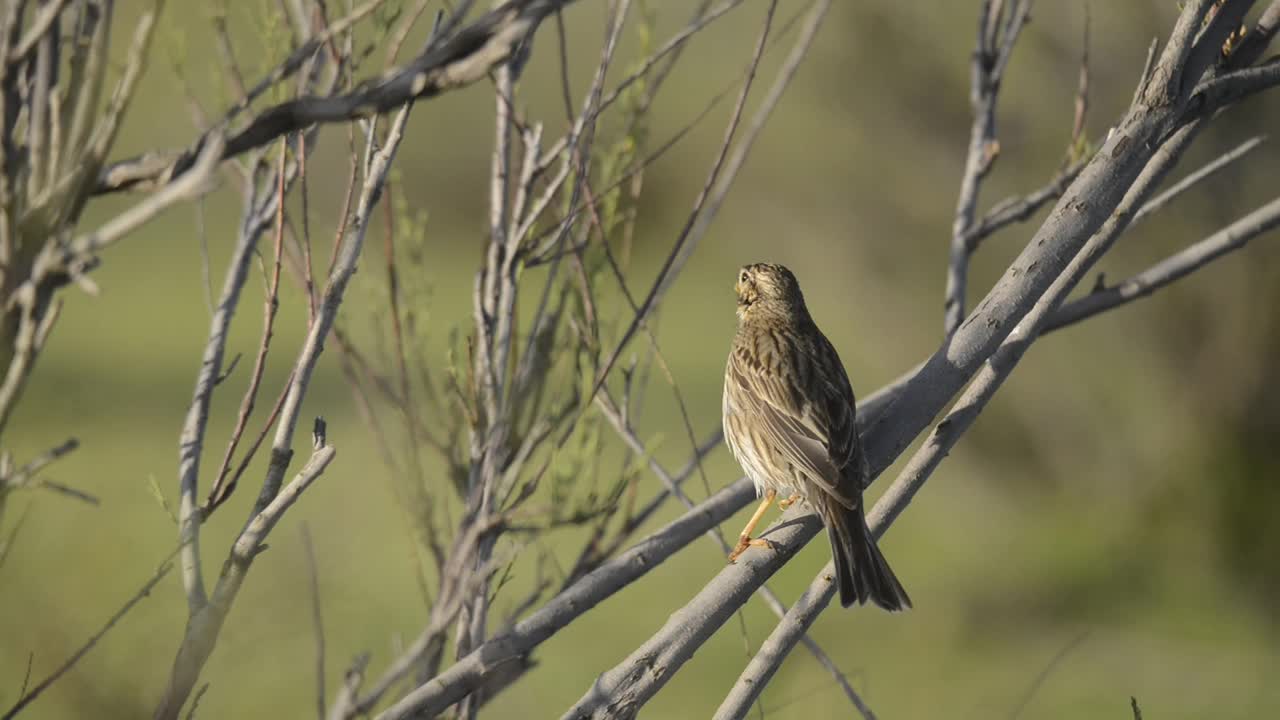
column 790, row 421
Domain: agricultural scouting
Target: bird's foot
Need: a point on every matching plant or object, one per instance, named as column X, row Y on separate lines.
column 745, row 542
column 784, row 504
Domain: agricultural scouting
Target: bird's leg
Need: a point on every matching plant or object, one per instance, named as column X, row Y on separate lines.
column 745, row 540
column 788, row 502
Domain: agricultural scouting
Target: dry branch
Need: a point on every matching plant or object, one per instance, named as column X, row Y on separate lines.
column 206, row 614
column 29, row 696
column 455, row 60
column 997, row 35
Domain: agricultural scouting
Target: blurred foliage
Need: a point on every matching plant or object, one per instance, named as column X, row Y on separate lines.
column 1121, row 489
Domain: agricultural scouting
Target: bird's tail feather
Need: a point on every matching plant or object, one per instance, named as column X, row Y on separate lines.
column 862, row 573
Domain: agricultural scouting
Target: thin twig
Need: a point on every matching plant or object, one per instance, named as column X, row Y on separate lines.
column 986, row 69
column 317, row 621
column 461, row 56
column 1020, row 207
column 1233, row 237
column 31, row 695
column 470, row 672
column 786, row 73
column 222, row 490
column 1045, row 672
column 1160, row 201
column 23, row 476
column 712, row 176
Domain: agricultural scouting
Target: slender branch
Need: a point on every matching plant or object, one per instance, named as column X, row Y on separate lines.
column 1158, row 202
column 39, row 26
column 221, row 490
column 456, row 60
column 678, row 248
column 30, row 695
column 986, row 71
column 623, row 690
column 1233, row 237
column 23, row 476
column 471, row 671
column 1020, row 207
column 1226, row 89
column 206, row 618
column 317, row 620
column 1258, row 38
column 765, row 663
column 250, row 542
column 204, row 625
column 786, row 73
column 191, row 442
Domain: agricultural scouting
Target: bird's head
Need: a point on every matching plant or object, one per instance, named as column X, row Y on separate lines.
column 766, row 289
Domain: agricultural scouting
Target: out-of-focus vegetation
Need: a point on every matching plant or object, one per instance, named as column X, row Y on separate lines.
column 1107, row 530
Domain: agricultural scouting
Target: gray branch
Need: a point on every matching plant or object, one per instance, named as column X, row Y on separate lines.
column 471, row 671
column 1233, row 237
column 456, row 60
column 986, row 72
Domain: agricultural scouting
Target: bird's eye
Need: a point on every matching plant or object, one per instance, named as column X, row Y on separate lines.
column 743, row 276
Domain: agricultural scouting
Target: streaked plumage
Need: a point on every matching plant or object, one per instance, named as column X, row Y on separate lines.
column 789, row 419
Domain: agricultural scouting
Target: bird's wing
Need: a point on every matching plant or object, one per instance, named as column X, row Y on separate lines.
column 841, row 418
column 812, row 434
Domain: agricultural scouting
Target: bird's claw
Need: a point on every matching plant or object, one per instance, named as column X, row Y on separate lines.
column 788, row 502
column 749, row 542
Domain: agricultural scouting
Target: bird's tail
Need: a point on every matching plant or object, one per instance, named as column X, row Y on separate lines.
column 862, row 573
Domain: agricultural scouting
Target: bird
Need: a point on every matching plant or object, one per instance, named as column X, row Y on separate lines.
column 790, row 421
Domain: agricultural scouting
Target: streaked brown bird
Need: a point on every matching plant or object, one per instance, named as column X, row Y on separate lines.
column 790, row 421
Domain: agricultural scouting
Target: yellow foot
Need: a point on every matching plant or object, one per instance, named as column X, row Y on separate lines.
column 745, row 542
column 784, row 504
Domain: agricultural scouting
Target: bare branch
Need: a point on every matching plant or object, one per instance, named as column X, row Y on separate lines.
column 1165, row 84
column 1209, row 170
column 471, row 671
column 30, row 695
column 193, row 182
column 677, row 250
column 621, row 691
column 1232, row 87
column 1255, row 42
column 456, row 60
column 794, row 626
column 1233, row 237
column 221, row 490
column 1021, row 207
column 249, row 544
column 207, row 615
column 786, row 73
column 986, row 71
column 317, row 621
column 23, row 476
column 205, row 623
column 39, row 26
column 1224, row 21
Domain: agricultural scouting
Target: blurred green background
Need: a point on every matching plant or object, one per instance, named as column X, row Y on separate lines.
column 1106, row 530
